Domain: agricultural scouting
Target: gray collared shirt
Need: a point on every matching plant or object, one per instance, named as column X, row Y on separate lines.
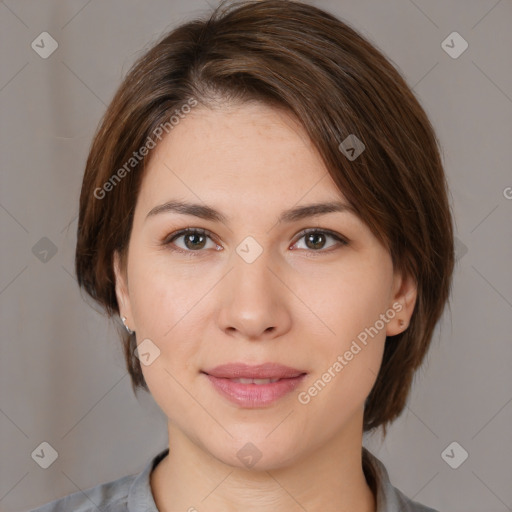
column 132, row 493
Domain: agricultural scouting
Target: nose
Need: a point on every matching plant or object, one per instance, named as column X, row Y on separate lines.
column 253, row 302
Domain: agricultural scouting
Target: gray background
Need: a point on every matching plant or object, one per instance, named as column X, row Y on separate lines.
column 62, row 374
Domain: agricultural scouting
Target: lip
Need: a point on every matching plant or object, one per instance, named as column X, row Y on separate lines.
column 259, row 371
column 254, row 395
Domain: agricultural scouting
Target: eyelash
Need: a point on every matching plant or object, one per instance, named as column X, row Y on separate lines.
column 168, row 240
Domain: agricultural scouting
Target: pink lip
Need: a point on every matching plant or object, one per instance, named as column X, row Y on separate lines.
column 254, row 395
column 260, row 371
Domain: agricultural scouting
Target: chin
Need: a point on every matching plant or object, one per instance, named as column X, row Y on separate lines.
column 256, row 451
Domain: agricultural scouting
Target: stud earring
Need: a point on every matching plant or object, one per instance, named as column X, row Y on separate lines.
column 123, row 319
column 401, row 322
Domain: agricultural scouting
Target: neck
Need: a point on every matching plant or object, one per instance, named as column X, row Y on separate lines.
column 328, row 478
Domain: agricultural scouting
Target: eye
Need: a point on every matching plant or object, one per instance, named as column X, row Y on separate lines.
column 194, row 240
column 315, row 239
column 197, row 239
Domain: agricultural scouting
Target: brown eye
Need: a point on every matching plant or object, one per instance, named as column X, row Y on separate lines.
column 194, row 241
column 315, row 240
column 190, row 240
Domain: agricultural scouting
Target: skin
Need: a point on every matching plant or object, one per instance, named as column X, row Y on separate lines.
column 300, row 304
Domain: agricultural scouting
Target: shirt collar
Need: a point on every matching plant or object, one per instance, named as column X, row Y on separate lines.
column 386, row 498
column 140, row 496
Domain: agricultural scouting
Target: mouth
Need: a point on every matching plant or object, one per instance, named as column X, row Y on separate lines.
column 254, row 386
column 255, row 381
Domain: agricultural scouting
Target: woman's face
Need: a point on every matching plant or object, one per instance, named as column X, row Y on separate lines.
column 253, row 288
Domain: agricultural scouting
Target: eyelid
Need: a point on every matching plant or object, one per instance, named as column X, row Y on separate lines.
column 338, row 237
column 184, row 231
column 167, row 241
column 181, row 232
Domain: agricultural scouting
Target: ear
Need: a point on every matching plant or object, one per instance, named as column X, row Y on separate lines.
column 123, row 297
column 405, row 292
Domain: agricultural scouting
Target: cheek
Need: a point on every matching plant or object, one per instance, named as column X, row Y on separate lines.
column 351, row 335
column 342, row 381
column 176, row 332
column 165, row 307
column 342, row 300
column 163, row 298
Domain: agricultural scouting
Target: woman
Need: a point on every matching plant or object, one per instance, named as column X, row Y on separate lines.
column 265, row 207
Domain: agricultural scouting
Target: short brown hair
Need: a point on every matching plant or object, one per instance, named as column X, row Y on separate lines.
column 292, row 55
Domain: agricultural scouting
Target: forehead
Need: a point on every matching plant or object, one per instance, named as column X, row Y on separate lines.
column 249, row 155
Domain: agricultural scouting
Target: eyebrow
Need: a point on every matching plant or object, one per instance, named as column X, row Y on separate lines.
column 209, row 213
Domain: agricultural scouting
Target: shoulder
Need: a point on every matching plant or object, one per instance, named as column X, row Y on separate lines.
column 107, row 497
column 388, row 497
column 408, row 505
column 128, row 493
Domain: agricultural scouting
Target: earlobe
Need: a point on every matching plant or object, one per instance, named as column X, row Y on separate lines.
column 403, row 304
